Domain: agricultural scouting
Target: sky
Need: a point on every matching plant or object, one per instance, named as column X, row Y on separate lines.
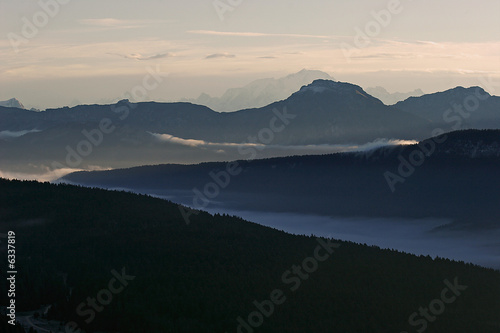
column 65, row 52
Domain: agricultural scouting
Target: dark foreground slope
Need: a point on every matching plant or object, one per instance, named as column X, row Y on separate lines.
column 201, row 277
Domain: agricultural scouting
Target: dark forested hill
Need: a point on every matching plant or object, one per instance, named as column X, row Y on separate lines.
column 151, row 272
column 454, row 176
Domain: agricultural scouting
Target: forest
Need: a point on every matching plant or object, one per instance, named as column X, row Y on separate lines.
column 73, row 243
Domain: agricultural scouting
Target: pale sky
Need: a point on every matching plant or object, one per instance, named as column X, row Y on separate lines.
column 90, row 51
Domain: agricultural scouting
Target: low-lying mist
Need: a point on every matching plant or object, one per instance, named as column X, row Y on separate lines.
column 42, row 171
column 417, row 236
column 408, row 235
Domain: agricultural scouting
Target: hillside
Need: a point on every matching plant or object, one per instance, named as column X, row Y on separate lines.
column 201, row 277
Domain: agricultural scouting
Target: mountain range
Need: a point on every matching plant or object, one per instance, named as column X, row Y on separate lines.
column 260, row 92
column 322, row 114
column 392, row 98
column 414, row 172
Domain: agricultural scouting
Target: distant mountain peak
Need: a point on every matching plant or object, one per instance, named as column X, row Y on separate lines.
column 482, row 110
column 461, row 91
column 458, row 94
column 308, row 74
column 260, row 92
column 470, row 90
column 342, row 88
column 12, row 103
column 392, row 98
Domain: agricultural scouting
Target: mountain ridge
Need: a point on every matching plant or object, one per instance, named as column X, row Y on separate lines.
column 392, row 98
column 259, row 93
column 470, row 107
column 12, row 103
column 321, row 114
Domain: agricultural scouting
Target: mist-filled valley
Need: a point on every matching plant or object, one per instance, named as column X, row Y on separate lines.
column 348, row 196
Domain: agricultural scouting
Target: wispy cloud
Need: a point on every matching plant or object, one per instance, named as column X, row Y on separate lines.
column 136, row 56
column 252, row 34
column 42, row 177
column 105, row 22
column 220, row 55
column 197, row 143
column 112, row 23
column 325, row 148
column 46, row 174
column 385, row 56
column 15, row 134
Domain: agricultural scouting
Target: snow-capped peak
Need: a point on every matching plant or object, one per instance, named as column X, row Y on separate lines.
column 12, row 103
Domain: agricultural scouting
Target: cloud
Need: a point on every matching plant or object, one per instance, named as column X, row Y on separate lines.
column 105, row 22
column 220, row 55
column 46, row 174
column 111, row 23
column 197, row 143
column 43, row 177
column 326, row 148
column 379, row 143
column 345, row 148
column 252, row 34
column 15, row 134
column 140, row 57
column 385, row 56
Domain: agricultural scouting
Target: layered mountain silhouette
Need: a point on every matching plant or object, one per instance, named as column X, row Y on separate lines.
column 392, row 98
column 261, row 92
column 126, row 134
